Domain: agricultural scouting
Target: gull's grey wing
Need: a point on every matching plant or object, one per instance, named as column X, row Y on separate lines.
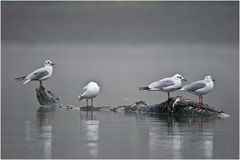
column 39, row 74
column 195, row 86
column 166, row 83
column 161, row 84
column 84, row 89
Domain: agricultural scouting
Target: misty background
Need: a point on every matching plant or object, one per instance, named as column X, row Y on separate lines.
column 122, row 46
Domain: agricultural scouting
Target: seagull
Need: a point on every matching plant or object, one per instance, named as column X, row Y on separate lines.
column 199, row 88
column 90, row 91
column 40, row 74
column 169, row 84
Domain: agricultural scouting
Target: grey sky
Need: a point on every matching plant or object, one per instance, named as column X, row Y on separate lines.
column 120, row 21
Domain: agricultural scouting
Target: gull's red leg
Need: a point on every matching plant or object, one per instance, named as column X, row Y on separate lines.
column 41, row 86
column 91, row 107
column 200, row 99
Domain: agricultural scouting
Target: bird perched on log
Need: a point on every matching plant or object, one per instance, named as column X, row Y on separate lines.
column 199, row 88
column 169, row 84
column 40, row 74
column 90, row 91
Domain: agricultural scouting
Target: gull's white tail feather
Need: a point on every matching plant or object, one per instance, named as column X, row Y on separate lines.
column 27, row 81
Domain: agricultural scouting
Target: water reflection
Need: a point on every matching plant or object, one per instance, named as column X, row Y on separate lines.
column 40, row 137
column 175, row 135
column 90, row 132
column 44, row 116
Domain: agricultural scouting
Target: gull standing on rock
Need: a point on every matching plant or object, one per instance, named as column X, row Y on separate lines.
column 40, row 74
column 199, row 88
column 168, row 85
column 90, row 91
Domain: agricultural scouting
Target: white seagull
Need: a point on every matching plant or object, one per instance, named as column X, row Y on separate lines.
column 199, row 88
column 40, row 74
column 90, row 91
column 168, row 85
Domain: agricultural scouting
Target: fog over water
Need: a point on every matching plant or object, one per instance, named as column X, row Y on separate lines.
column 121, row 68
column 122, row 46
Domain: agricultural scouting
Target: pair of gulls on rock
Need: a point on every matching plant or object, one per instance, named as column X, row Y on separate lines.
column 174, row 83
column 91, row 90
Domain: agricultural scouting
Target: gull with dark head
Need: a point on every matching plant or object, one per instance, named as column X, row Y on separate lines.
column 90, row 91
column 199, row 88
column 40, row 74
column 169, row 84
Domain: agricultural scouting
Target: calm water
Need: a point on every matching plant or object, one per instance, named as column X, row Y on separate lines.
column 30, row 131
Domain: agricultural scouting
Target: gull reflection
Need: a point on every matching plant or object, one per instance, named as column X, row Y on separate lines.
column 91, row 134
column 175, row 139
column 44, row 116
column 39, row 137
column 174, row 136
column 208, row 145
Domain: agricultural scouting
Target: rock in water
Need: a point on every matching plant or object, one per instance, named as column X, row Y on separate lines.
column 177, row 105
column 47, row 98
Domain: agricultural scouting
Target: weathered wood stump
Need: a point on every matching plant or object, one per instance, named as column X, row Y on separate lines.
column 47, row 98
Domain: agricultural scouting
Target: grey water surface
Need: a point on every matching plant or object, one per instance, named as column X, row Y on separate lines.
column 122, row 46
column 60, row 133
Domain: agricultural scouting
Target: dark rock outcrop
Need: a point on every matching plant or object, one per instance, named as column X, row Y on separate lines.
column 178, row 105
